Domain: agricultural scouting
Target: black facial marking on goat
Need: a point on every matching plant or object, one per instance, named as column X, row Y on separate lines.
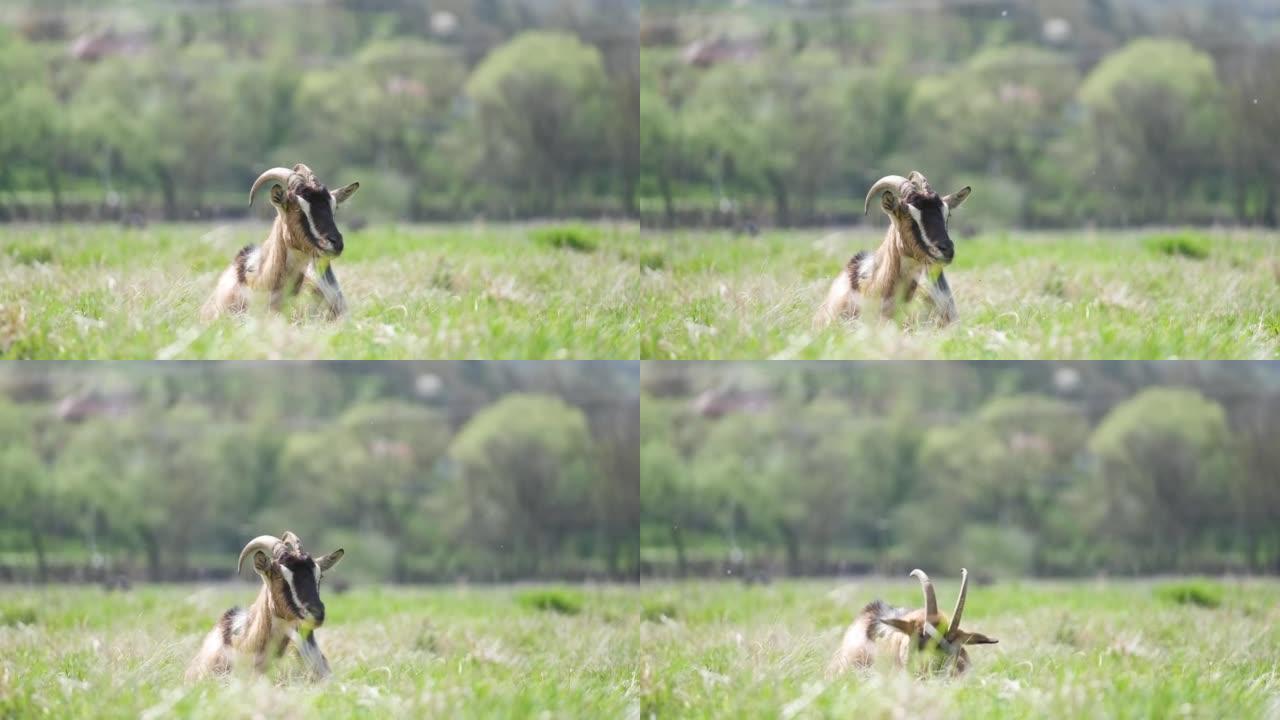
column 320, row 211
column 241, row 262
column 289, row 601
column 930, row 229
column 853, row 268
column 225, row 623
column 302, row 572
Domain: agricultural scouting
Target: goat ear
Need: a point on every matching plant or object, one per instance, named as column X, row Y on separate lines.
column 277, row 196
column 954, row 199
column 261, row 563
column 968, row 638
column 888, row 202
column 341, row 194
column 903, row 626
column 331, row 559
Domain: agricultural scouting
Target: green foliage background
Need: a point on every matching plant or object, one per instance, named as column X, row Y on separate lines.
column 505, row 109
column 423, row 471
column 1010, row 469
column 1108, row 112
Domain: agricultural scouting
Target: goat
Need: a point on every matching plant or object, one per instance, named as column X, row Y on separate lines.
column 287, row 611
column 927, row 632
column 297, row 252
column 915, row 249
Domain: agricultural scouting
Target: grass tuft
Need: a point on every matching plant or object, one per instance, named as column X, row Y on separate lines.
column 556, row 600
column 30, row 253
column 1200, row 593
column 17, row 616
column 659, row 610
column 1184, row 244
column 568, row 237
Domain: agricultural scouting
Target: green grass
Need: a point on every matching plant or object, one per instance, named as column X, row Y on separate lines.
column 445, row 652
column 1100, row 649
column 1066, row 650
column 484, row 292
column 1094, row 295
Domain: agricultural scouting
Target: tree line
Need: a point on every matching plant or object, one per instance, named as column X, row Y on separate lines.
column 1045, row 469
column 502, row 108
column 1086, row 112
column 422, row 471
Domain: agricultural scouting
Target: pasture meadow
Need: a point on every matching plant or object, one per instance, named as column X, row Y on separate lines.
column 455, row 291
column 483, row 652
column 1088, row 649
column 1028, row 295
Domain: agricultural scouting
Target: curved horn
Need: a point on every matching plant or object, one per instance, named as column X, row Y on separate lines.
column 892, row 183
column 277, row 174
column 265, row 543
column 964, row 590
column 930, row 599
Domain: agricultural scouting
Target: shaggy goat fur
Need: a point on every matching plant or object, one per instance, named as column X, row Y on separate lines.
column 297, row 252
column 915, row 249
column 934, row 637
column 286, row 613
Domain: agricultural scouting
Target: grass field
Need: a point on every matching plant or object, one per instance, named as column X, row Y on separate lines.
column 1082, row 650
column 703, row 649
column 448, row 652
column 477, row 292
column 1088, row 295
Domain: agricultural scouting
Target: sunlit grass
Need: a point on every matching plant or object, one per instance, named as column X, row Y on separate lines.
column 1092, row 295
column 447, row 652
column 104, row 292
column 1066, row 650
column 1102, row 649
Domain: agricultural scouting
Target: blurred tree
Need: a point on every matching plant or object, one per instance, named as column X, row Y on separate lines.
column 385, row 112
column 373, row 469
column 661, row 148
column 29, row 116
column 1254, row 490
column 38, row 138
column 527, row 478
column 1253, row 143
column 28, row 501
column 151, row 480
column 670, row 500
column 164, row 121
column 993, row 115
column 1161, row 457
column 1154, row 120
column 773, row 125
column 540, row 105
